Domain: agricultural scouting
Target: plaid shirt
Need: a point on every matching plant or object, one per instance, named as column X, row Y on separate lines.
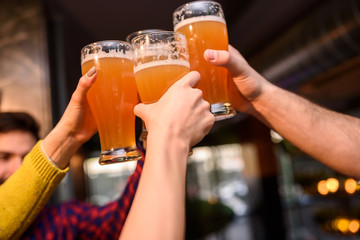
column 80, row 220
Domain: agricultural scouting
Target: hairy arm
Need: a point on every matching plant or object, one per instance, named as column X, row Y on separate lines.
column 330, row 137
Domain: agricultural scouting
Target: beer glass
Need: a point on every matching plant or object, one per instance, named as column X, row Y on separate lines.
column 203, row 24
column 130, row 37
column 112, row 98
column 161, row 58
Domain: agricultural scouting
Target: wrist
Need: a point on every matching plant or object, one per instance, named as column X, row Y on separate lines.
column 262, row 102
column 60, row 147
column 168, row 148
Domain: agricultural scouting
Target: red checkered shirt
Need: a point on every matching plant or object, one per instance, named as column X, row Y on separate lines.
column 80, row 220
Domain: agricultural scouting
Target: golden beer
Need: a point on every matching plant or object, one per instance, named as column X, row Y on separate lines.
column 206, row 30
column 154, row 78
column 161, row 58
column 112, row 99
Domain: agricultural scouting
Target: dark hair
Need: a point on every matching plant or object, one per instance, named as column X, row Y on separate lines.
column 11, row 121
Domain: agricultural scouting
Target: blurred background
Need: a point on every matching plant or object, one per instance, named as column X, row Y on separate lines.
column 244, row 181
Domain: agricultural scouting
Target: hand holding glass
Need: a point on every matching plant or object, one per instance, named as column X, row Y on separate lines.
column 161, row 58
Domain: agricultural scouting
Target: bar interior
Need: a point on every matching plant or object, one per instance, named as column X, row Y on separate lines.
column 244, row 180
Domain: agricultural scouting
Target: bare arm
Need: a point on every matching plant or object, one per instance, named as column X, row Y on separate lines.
column 75, row 127
column 330, row 137
column 180, row 119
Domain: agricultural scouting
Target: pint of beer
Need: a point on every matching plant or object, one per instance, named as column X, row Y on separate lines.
column 203, row 24
column 161, row 58
column 130, row 37
column 112, row 98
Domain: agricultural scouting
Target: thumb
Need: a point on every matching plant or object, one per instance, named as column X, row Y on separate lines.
column 84, row 84
column 192, row 78
column 140, row 110
column 86, row 81
column 231, row 59
column 217, row 57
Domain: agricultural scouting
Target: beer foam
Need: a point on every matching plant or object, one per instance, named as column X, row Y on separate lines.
column 110, row 54
column 199, row 19
column 161, row 63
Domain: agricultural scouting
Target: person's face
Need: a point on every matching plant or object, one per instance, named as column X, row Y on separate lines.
column 14, row 145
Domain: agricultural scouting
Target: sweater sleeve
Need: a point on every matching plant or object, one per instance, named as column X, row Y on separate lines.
column 26, row 192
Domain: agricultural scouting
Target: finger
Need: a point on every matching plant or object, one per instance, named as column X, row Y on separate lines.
column 217, row 57
column 139, row 110
column 86, row 81
column 192, row 79
column 232, row 60
column 84, row 84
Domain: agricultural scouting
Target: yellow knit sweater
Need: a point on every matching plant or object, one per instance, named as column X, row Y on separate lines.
column 26, row 192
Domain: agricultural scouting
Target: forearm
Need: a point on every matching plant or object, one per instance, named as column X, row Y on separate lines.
column 330, row 137
column 60, row 147
column 158, row 209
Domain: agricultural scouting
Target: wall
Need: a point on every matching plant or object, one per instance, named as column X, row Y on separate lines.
column 24, row 81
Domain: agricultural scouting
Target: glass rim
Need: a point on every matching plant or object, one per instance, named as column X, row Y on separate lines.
column 141, row 32
column 99, row 47
column 193, row 2
column 158, row 33
column 101, row 42
column 197, row 9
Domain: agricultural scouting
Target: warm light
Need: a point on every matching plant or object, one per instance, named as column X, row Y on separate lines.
column 322, row 188
column 342, row 224
column 350, row 186
column 354, row 226
column 332, row 184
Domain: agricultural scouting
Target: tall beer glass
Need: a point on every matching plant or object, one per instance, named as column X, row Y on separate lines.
column 203, row 24
column 130, row 37
column 112, row 98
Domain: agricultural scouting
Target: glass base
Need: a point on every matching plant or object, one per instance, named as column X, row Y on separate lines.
column 222, row 111
column 119, row 155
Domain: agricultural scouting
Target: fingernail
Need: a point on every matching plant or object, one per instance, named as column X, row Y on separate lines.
column 211, row 55
column 91, row 72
